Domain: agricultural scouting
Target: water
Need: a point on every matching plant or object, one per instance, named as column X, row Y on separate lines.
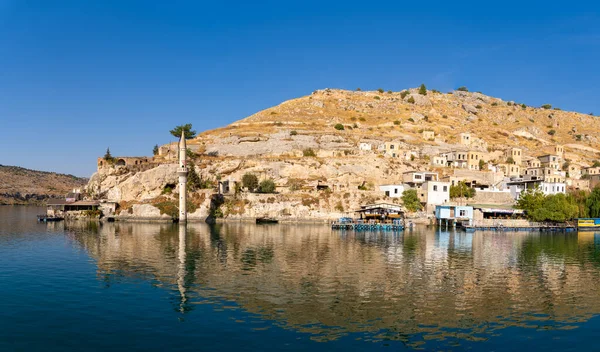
column 135, row 286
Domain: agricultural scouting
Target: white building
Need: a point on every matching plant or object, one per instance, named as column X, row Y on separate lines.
column 394, row 191
column 365, row 146
column 548, row 188
column 434, row 193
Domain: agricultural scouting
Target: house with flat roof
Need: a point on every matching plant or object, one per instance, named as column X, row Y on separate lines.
column 393, row 191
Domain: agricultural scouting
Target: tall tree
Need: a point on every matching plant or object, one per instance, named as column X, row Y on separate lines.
column 187, row 130
column 593, row 203
column 530, row 200
column 461, row 190
column 107, row 155
column 250, row 181
column 155, row 149
column 193, row 180
column 423, row 89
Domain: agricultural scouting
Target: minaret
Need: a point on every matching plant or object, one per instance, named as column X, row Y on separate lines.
column 182, row 172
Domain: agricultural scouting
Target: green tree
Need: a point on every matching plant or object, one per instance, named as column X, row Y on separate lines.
column 546, row 106
column 339, row 127
column 596, row 163
column 462, row 89
column 250, row 181
column 267, row 186
column 155, row 149
column 411, row 200
column 530, row 200
column 556, row 208
column 593, row 203
column 411, row 100
column 404, row 93
column 108, row 156
column 481, row 164
column 423, row 89
column 380, row 90
column 187, row 131
column 461, row 190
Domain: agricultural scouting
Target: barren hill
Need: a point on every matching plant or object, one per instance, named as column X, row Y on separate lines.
column 23, row 186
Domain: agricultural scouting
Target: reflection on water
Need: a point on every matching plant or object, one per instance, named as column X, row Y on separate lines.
column 418, row 287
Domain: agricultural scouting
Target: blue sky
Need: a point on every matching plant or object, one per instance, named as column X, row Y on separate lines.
column 77, row 77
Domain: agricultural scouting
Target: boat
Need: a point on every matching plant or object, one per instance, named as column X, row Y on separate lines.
column 266, row 221
column 46, row 218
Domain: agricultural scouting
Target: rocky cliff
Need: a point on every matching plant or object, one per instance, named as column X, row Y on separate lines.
column 310, row 147
column 23, row 186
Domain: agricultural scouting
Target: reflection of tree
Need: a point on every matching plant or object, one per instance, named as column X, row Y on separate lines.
column 394, row 286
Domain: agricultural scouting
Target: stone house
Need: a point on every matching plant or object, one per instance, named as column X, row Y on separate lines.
column 438, row 161
column 516, row 154
column 428, row 135
column 473, row 159
column 465, row 138
column 364, row 146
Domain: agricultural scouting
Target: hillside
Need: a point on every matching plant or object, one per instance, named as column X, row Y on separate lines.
column 316, row 140
column 24, row 186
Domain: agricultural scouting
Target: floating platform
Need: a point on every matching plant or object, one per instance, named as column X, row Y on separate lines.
column 46, row 218
column 366, row 227
column 519, row 228
column 266, row 221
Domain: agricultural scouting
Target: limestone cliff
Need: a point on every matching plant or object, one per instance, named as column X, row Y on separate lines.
column 311, row 148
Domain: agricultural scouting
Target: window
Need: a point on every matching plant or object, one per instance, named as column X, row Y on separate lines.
column 462, row 213
column 445, row 188
column 435, row 188
column 418, row 177
column 392, row 146
column 395, row 190
column 387, row 193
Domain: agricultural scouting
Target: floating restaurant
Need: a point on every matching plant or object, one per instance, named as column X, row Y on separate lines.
column 374, row 217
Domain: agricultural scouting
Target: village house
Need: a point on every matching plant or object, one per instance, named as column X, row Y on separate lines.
column 428, row 135
column 594, row 180
column 451, row 213
column 574, row 171
column 473, row 159
column 394, row 191
column 533, row 163
column 578, row 184
column 465, row 138
column 438, row 161
column 549, row 185
column 415, row 178
column 432, row 193
column 456, row 159
column 559, row 150
column 550, row 160
column 364, row 146
column 516, row 154
column 509, row 170
column 589, row 171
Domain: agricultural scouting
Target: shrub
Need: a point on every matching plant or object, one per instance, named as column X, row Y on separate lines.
column 358, row 89
column 523, row 106
column 494, row 104
column 445, row 116
column 389, row 92
column 355, row 125
column 309, row 152
column 278, row 123
column 403, row 94
column 266, row 186
column 361, row 119
column 578, row 137
column 339, row 207
column 411, row 200
column 397, row 122
column 411, row 100
column 250, row 181
column 462, row 89
column 547, row 106
column 411, row 119
column 339, row 127
column 380, row 90
column 376, row 97
column 293, row 133
column 423, row 89
column 478, row 107
column 155, row 149
column 552, row 132
column 461, row 190
column 558, row 109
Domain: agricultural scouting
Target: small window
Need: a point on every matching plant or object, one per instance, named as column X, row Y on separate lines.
column 462, row 213
column 435, row 188
column 392, row 146
column 395, row 190
column 445, row 188
column 387, row 193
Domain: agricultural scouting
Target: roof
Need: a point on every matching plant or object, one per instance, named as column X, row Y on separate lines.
column 57, row 202
column 85, row 202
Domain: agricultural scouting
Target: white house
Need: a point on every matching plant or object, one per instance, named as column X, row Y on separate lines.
column 394, row 191
column 548, row 188
column 434, row 193
column 365, row 146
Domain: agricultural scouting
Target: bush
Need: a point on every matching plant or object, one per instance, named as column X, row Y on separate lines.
column 445, row 116
column 478, row 107
column 339, row 207
column 293, row 133
column 411, row 119
column 547, row 106
column 397, row 123
column 494, row 104
column 411, row 100
column 423, row 89
column 380, row 90
column 361, row 119
column 376, row 97
column 411, row 200
column 250, row 181
column 389, row 92
column 461, row 190
column 523, row 106
column 339, row 127
column 309, row 152
column 267, row 186
column 403, row 94
column 358, row 89
column 462, row 89
column 552, row 132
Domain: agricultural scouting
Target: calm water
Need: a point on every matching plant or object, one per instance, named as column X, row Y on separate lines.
column 245, row 287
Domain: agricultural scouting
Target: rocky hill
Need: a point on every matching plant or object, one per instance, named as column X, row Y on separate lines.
column 314, row 140
column 23, row 186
